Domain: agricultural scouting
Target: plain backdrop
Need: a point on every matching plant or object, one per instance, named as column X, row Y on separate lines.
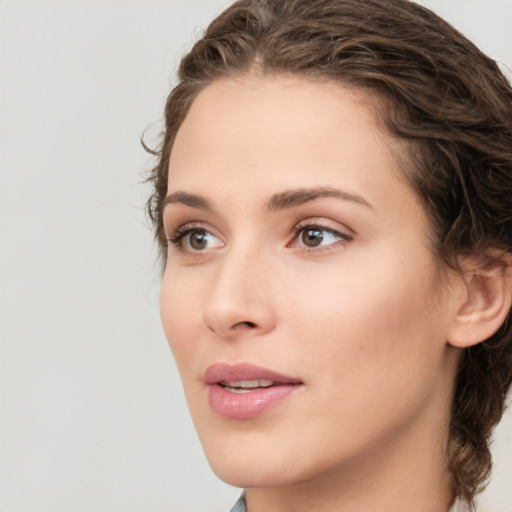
column 92, row 416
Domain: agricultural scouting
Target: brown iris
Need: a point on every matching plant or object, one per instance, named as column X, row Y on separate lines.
column 198, row 240
column 312, row 237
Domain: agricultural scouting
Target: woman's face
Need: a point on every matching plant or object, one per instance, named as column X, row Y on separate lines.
column 300, row 298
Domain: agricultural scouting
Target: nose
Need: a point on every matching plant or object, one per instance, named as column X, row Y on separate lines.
column 239, row 302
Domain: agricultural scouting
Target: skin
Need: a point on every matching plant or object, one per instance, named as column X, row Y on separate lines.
column 362, row 319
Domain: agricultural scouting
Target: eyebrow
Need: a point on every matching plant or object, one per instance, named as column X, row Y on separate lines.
column 279, row 201
column 292, row 198
column 187, row 199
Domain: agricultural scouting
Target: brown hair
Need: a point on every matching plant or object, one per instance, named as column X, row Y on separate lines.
column 442, row 95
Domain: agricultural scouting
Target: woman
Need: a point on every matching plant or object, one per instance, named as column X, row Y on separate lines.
column 334, row 204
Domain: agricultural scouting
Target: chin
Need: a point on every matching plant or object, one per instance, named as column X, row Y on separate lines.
column 250, row 468
column 247, row 476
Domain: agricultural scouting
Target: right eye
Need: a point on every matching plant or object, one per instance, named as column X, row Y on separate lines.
column 191, row 239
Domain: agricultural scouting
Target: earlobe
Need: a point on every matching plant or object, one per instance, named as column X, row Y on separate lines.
column 487, row 302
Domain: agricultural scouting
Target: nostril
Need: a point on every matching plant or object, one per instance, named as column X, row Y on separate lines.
column 250, row 325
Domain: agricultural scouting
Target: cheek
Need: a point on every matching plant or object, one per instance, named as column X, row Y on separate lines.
column 368, row 347
column 369, row 319
column 180, row 315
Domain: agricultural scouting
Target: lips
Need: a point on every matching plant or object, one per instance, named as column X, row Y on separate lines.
column 245, row 391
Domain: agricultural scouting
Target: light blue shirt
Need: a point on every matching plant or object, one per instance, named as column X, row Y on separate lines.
column 239, row 505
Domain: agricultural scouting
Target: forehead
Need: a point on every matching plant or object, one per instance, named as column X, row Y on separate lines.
column 285, row 122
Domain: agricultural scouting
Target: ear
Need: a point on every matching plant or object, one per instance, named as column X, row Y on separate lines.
column 487, row 301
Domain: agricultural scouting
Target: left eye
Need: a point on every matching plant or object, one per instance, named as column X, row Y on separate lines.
column 196, row 240
column 317, row 236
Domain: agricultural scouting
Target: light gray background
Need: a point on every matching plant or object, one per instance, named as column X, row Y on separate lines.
column 92, row 415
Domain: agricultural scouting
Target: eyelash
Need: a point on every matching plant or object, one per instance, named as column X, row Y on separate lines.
column 179, row 235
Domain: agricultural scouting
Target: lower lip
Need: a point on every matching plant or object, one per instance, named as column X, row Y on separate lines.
column 244, row 406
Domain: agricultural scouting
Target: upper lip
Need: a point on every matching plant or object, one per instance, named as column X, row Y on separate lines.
column 225, row 372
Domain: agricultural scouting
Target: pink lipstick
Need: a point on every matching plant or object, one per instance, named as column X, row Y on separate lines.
column 244, row 391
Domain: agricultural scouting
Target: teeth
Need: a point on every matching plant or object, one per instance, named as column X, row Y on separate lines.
column 243, row 386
